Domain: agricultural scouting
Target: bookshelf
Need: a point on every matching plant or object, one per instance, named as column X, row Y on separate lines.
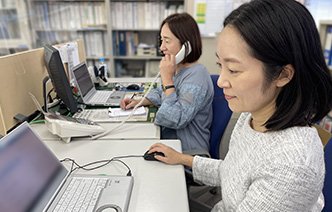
column 60, row 21
column 14, row 33
column 325, row 32
column 124, row 32
column 135, row 35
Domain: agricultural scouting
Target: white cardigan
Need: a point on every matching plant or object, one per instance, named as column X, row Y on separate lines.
column 272, row 171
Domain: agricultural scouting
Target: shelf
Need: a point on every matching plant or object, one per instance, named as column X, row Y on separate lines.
column 136, row 29
column 13, row 43
column 133, row 23
column 67, row 1
column 323, row 24
column 137, row 57
column 177, row 1
column 7, row 8
column 98, row 57
column 73, row 30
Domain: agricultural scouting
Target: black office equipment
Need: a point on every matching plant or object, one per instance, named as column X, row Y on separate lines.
column 150, row 156
column 59, row 78
column 133, row 87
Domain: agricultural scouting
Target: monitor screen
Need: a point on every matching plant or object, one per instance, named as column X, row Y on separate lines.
column 59, row 78
column 83, row 78
column 28, row 171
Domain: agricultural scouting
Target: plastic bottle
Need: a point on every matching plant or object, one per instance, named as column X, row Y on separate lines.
column 102, row 70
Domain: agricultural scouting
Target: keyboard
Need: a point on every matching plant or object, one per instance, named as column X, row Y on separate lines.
column 101, row 96
column 79, row 120
column 81, row 194
column 95, row 115
column 102, row 116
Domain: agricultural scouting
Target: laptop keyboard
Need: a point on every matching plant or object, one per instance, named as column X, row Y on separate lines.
column 84, row 114
column 101, row 96
column 81, row 194
column 95, row 115
column 79, row 120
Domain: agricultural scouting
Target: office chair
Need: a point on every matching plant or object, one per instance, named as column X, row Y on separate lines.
column 327, row 189
column 221, row 117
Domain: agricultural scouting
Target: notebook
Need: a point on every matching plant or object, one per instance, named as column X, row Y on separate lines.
column 33, row 179
column 90, row 95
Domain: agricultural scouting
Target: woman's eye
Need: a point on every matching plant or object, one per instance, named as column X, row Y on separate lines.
column 218, row 64
column 232, row 71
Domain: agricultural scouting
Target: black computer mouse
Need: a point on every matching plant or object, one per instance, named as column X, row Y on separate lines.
column 150, row 156
column 134, row 87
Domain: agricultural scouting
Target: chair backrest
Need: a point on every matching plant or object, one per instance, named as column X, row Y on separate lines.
column 327, row 189
column 221, row 117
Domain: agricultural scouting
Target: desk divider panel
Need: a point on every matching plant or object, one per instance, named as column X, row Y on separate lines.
column 20, row 74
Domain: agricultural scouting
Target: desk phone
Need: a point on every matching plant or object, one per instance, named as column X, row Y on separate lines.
column 67, row 127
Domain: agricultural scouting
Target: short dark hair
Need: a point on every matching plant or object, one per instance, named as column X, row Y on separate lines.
column 185, row 28
column 282, row 32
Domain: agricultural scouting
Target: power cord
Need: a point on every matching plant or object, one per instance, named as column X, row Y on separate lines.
column 75, row 166
column 104, row 163
column 131, row 114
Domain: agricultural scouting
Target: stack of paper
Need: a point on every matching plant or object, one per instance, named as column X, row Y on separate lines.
column 118, row 112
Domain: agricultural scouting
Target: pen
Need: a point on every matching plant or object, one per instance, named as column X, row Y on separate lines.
column 133, row 96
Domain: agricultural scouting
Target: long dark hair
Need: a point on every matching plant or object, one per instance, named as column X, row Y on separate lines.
column 282, row 32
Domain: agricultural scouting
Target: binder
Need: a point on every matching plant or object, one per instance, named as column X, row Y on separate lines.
column 122, row 43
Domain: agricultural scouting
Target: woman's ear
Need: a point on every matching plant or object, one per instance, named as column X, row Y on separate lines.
column 285, row 76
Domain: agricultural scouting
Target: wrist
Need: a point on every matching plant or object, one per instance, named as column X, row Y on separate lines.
column 167, row 86
column 186, row 160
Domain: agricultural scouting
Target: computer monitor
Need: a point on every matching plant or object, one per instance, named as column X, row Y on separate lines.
column 59, row 78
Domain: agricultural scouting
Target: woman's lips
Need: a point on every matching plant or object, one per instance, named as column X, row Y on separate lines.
column 227, row 97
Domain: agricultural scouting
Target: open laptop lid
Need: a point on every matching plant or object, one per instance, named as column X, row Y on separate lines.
column 30, row 174
column 83, row 81
column 87, row 89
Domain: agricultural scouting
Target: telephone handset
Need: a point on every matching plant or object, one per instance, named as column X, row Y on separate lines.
column 178, row 58
column 182, row 53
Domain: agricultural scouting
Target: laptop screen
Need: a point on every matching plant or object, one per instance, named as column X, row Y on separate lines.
column 83, row 78
column 27, row 169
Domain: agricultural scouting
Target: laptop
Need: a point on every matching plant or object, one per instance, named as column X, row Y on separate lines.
column 90, row 95
column 33, row 179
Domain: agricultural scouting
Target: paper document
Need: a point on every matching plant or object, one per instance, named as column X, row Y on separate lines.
column 117, row 112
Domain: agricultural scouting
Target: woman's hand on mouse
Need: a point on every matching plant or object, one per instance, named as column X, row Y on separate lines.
column 171, row 156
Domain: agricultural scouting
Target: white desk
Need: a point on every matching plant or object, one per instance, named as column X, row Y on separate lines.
column 132, row 79
column 157, row 186
column 130, row 130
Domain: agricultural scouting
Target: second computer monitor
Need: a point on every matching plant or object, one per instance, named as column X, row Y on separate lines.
column 59, row 78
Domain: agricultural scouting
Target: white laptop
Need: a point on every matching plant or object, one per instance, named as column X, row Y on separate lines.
column 33, row 179
column 90, row 95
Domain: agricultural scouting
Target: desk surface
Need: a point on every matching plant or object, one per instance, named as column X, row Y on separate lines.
column 157, row 186
column 130, row 130
column 132, row 80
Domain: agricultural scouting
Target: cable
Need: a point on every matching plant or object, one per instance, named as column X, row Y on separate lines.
column 105, row 162
column 37, row 122
column 130, row 115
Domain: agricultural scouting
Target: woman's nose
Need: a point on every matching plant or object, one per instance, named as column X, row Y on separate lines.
column 223, row 82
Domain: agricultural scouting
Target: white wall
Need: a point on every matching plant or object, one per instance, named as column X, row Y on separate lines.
column 208, row 58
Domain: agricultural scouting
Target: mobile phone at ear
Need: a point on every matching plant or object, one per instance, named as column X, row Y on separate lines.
column 182, row 53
